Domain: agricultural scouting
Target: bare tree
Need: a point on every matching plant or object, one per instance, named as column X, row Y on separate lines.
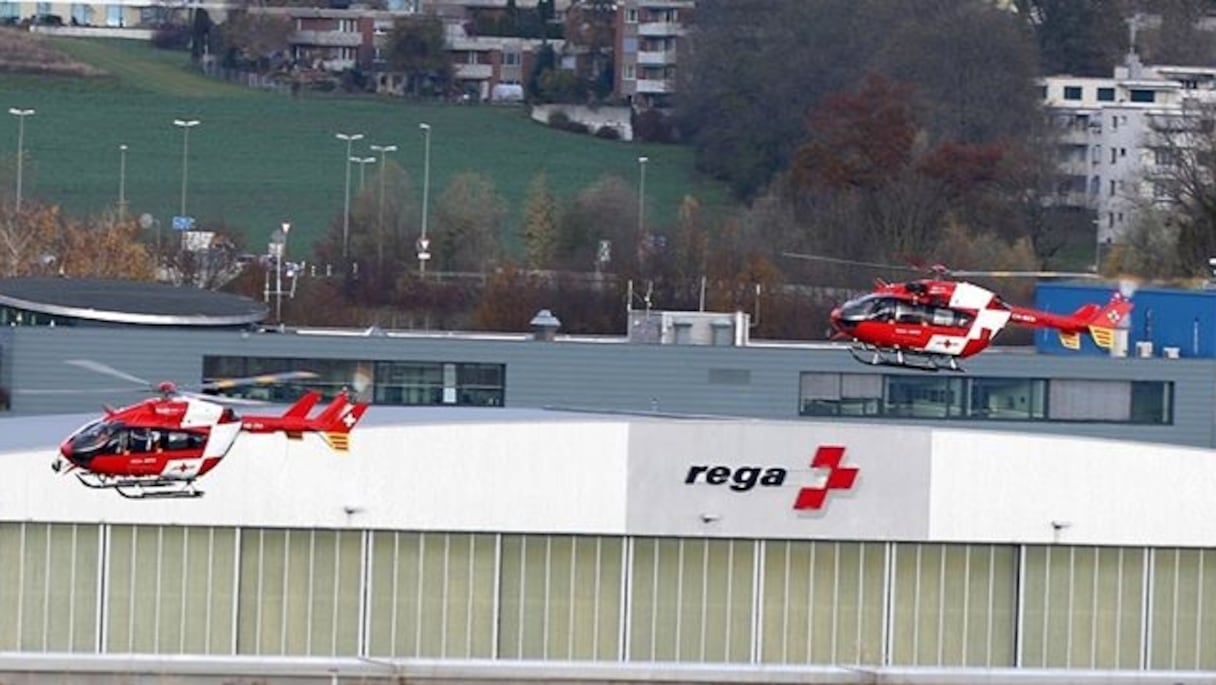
column 1181, row 179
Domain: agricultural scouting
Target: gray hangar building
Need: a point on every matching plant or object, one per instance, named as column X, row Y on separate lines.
column 521, row 507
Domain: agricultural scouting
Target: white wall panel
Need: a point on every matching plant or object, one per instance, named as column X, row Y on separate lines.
column 1010, row 487
column 566, row 476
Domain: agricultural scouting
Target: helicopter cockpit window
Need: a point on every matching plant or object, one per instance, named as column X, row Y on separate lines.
column 92, row 437
column 859, row 309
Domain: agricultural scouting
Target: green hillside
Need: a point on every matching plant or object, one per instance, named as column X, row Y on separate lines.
column 260, row 158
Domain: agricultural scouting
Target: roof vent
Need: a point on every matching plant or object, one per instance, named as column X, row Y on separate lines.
column 545, row 325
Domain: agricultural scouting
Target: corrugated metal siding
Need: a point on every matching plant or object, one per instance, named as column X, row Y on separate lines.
column 608, row 376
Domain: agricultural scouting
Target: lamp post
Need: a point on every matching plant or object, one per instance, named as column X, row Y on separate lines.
column 122, row 182
column 383, row 150
column 642, row 202
column 280, row 252
column 21, row 114
column 185, row 125
column 424, row 243
column 362, row 162
column 350, row 138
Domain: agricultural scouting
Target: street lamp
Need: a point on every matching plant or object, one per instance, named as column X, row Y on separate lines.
column 362, row 162
column 383, row 150
column 424, row 243
column 280, row 249
column 642, row 200
column 21, row 114
column 350, row 138
column 122, row 182
column 185, row 125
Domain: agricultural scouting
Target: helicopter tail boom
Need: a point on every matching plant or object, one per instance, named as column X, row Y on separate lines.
column 333, row 424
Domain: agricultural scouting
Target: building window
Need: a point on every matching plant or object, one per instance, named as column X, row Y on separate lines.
column 984, row 398
column 1114, row 155
column 1106, row 94
column 1143, row 95
column 1112, row 187
column 629, row 45
column 923, row 398
column 631, row 15
column 841, row 394
column 1042, row 92
column 510, row 59
column 9, row 10
column 1072, row 92
column 629, row 72
column 1008, row 398
column 381, row 382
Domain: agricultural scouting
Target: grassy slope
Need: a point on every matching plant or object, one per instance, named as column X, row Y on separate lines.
column 260, row 158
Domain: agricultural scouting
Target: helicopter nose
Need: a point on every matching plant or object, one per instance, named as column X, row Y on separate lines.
column 837, row 319
column 62, row 459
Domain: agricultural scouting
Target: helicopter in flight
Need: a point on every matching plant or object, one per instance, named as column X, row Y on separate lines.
column 161, row 446
column 931, row 323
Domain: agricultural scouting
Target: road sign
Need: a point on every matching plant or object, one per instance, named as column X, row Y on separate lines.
column 183, row 223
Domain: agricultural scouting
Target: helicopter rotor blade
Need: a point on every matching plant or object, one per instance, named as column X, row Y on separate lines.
column 222, row 399
column 263, row 379
column 78, row 391
column 1024, row 274
column 108, row 370
column 850, row 262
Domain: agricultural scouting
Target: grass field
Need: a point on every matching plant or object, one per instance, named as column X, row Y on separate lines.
column 260, row 158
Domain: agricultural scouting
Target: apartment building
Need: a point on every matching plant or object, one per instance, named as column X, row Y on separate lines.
column 1109, row 153
column 648, row 36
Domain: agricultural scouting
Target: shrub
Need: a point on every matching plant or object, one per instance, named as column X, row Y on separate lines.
column 558, row 119
column 171, row 37
column 608, row 133
column 652, row 126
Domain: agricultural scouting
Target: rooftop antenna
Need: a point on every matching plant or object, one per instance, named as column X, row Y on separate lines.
column 1133, row 58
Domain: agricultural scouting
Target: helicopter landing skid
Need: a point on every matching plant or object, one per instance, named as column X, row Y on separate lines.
column 877, row 356
column 141, row 488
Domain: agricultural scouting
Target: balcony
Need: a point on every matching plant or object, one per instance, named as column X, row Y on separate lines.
column 474, row 72
column 657, row 58
column 339, row 39
column 660, row 29
column 649, row 85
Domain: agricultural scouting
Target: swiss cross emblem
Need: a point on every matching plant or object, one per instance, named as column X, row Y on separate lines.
column 827, row 458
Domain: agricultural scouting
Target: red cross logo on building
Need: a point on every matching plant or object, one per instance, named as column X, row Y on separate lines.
column 827, row 457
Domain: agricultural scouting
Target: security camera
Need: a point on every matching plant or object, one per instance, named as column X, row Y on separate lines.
column 709, row 518
column 1060, row 525
column 351, row 510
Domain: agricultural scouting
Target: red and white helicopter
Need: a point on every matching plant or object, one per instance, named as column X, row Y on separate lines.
column 931, row 323
column 159, row 447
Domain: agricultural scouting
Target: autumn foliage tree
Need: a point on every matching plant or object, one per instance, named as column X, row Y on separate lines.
column 41, row 240
column 539, row 226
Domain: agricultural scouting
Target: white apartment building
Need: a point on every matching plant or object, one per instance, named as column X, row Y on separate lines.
column 1108, row 156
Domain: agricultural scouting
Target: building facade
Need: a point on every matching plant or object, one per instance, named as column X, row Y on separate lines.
column 558, row 537
column 1110, row 152
column 648, row 37
column 1155, row 399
